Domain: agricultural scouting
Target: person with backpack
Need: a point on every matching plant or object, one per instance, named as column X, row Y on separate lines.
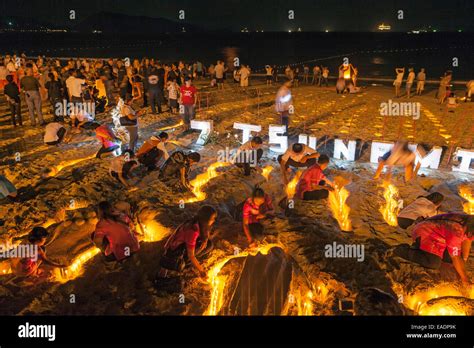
column 443, row 238
column 189, row 241
column 175, row 171
column 153, row 150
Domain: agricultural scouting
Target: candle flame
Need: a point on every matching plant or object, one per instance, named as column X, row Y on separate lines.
column 339, row 208
column 266, row 172
column 390, row 209
column 154, row 231
column 202, row 179
column 468, row 195
column 76, row 268
column 291, row 187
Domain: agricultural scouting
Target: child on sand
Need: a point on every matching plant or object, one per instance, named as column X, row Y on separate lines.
column 254, row 210
column 444, row 238
column 30, row 266
column 420, row 209
column 189, row 241
column 313, row 184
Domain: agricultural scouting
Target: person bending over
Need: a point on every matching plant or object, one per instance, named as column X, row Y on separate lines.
column 54, row 133
column 443, row 238
column 313, row 184
column 420, row 209
column 298, row 155
column 113, row 234
column 108, row 140
column 175, row 171
column 400, row 155
column 121, row 166
column 249, row 155
column 189, row 241
column 153, row 151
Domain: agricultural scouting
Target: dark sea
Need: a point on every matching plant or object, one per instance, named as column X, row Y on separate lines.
column 374, row 54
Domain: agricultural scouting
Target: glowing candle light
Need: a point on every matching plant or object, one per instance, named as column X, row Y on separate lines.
column 390, row 209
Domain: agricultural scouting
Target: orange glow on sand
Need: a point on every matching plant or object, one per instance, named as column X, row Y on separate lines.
column 468, row 195
column 202, row 179
column 291, row 187
column 266, row 172
column 390, row 209
column 218, row 282
column 76, row 268
column 180, row 123
column 154, row 231
column 340, row 210
column 55, row 170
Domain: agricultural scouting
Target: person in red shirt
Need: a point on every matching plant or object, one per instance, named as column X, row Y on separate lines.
column 107, row 138
column 188, row 96
column 191, row 239
column 313, row 184
column 443, row 238
column 254, row 210
column 113, row 234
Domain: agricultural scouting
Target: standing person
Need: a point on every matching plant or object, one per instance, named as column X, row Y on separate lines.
column 316, row 71
column 13, row 99
column 244, row 76
column 144, row 68
column 3, row 74
column 269, row 75
column 155, row 93
column 306, row 74
column 354, row 75
column 420, row 81
column 410, row 79
column 188, row 95
column 275, row 73
column 325, row 76
column 443, row 89
column 130, row 121
column 54, row 88
column 398, row 81
column 31, row 86
column 284, row 103
column 219, row 71
column 74, row 87
column 108, row 79
column 236, row 74
column 173, row 92
column 296, row 77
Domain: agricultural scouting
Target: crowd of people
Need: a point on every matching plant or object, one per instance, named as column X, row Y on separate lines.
column 437, row 237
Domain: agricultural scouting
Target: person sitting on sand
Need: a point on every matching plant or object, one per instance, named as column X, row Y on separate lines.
column 121, row 166
column 7, row 189
column 30, row 266
column 249, row 155
column 298, row 155
column 107, row 139
column 420, row 209
column 313, row 184
column 254, row 210
column 113, row 234
column 340, row 85
column 54, row 133
column 400, row 155
column 153, row 150
column 189, row 241
column 443, row 238
column 175, row 171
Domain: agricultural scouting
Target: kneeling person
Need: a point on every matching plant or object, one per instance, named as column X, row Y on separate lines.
column 298, row 155
column 175, row 171
column 249, row 155
column 255, row 209
column 121, row 166
column 153, row 150
column 313, row 184
column 54, row 133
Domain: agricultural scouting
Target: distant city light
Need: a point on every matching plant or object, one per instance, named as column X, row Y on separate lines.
column 299, row 29
column 10, row 23
column 327, row 30
column 289, row 30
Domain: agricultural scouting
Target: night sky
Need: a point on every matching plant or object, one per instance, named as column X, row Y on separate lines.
column 268, row 15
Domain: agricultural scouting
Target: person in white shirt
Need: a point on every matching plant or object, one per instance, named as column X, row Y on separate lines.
column 74, row 87
column 82, row 119
column 54, row 133
column 420, row 209
column 410, row 80
column 398, row 81
column 249, row 155
column 269, row 74
column 298, row 155
column 173, row 91
column 121, row 166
